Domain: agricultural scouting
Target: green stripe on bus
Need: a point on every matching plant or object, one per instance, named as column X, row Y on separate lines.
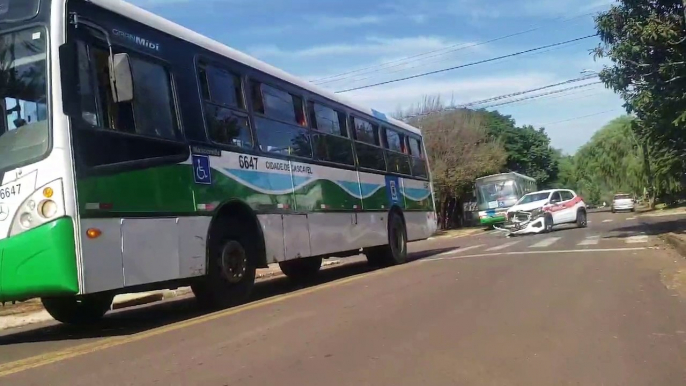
column 171, row 189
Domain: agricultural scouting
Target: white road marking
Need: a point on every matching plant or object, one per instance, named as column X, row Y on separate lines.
column 637, row 239
column 546, row 242
column 459, row 250
column 631, row 218
column 499, row 247
column 591, row 240
column 608, row 220
column 495, row 254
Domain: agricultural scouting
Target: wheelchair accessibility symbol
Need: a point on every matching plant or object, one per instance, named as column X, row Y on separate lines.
column 201, row 170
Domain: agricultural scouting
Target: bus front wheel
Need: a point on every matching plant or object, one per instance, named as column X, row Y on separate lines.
column 231, row 269
column 88, row 309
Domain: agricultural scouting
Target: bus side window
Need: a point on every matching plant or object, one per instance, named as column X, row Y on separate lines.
column 225, row 114
column 150, row 113
column 330, row 135
column 369, row 153
column 280, row 123
column 418, row 163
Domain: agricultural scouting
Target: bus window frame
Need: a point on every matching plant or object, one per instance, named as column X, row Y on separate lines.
column 244, row 112
column 262, row 79
column 353, row 132
column 91, row 39
column 387, row 149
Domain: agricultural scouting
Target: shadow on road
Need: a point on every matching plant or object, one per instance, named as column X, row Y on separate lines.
column 651, row 228
column 139, row 319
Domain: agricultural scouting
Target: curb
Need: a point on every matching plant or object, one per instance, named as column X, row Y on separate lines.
column 677, row 242
column 132, row 300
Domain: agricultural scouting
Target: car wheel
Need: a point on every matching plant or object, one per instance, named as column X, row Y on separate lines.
column 548, row 223
column 581, row 219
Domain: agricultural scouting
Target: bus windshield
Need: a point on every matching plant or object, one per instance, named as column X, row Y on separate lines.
column 496, row 194
column 24, row 131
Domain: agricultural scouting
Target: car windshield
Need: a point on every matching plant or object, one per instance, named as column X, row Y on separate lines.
column 23, row 97
column 622, row 197
column 496, row 194
column 533, row 197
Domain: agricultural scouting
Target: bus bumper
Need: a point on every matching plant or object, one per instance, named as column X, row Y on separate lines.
column 39, row 262
column 496, row 219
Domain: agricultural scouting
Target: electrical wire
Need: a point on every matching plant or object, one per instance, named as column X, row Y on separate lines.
column 467, row 64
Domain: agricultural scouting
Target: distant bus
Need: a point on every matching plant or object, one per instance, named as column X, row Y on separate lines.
column 496, row 193
column 136, row 155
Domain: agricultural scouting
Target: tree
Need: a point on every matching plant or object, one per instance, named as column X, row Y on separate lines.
column 458, row 146
column 646, row 41
column 528, row 149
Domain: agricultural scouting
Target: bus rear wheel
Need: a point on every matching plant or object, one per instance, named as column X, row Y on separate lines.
column 231, row 269
column 395, row 252
column 301, row 270
column 84, row 310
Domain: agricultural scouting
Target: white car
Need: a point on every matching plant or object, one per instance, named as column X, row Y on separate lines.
column 539, row 212
column 622, row 202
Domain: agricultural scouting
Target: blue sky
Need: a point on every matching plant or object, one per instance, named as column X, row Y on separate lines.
column 320, row 39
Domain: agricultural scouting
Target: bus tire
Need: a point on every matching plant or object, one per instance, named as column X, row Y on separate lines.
column 74, row 310
column 231, row 268
column 395, row 252
column 301, row 270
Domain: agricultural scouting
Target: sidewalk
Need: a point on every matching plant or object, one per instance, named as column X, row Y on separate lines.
column 31, row 311
column 664, row 212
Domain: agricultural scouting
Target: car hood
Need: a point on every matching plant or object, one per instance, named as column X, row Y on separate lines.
column 528, row 206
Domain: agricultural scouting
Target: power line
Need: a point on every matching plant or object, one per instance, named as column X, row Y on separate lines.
column 493, row 99
column 467, row 65
column 438, row 52
column 441, row 60
column 469, row 104
column 543, row 95
column 578, row 118
column 547, row 95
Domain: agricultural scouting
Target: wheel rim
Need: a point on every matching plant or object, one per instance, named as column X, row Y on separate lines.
column 234, row 262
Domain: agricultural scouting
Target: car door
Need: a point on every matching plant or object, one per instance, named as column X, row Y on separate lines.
column 568, row 211
column 556, row 208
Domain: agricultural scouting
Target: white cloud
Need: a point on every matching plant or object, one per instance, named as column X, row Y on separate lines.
column 332, row 22
column 373, row 46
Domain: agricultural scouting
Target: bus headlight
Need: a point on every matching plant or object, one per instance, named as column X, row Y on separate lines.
column 45, row 204
column 26, row 220
column 48, row 208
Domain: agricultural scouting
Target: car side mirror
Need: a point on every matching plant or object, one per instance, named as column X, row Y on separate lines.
column 121, row 78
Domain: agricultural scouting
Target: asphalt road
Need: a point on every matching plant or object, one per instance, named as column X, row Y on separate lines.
column 597, row 306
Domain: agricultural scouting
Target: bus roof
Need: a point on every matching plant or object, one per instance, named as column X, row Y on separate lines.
column 503, row 175
column 140, row 15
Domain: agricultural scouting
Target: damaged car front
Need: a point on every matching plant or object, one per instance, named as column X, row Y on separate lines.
column 528, row 215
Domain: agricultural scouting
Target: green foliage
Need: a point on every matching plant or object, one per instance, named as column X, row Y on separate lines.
column 646, row 41
column 458, row 145
column 528, row 149
column 611, row 162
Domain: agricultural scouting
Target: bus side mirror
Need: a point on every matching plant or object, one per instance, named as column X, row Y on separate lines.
column 121, row 78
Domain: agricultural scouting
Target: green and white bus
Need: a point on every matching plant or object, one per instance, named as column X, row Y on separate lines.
column 496, row 193
column 138, row 155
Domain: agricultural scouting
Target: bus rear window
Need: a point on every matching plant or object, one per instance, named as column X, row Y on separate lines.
column 18, row 10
